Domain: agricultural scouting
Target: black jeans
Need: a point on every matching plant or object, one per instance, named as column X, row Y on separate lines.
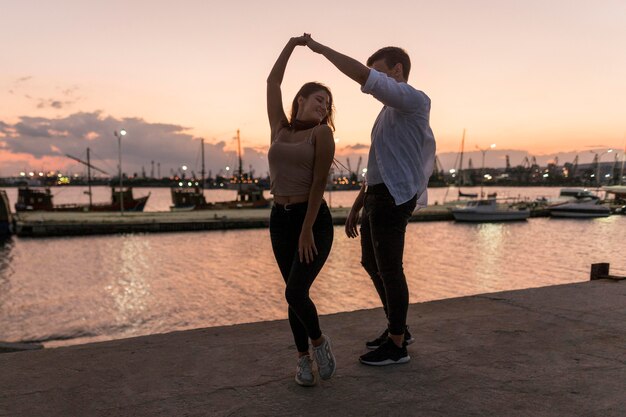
column 383, row 227
column 285, row 226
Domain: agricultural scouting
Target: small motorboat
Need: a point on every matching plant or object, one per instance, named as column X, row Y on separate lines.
column 580, row 209
column 489, row 211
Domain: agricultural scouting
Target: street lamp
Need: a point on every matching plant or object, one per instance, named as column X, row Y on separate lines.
column 482, row 170
column 119, row 167
column 599, row 155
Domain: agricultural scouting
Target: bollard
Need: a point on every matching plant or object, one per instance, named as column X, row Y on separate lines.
column 599, row 271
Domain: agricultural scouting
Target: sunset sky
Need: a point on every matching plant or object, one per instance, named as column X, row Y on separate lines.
column 533, row 76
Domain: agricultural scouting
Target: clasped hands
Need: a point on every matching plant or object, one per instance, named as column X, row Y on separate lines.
column 308, row 41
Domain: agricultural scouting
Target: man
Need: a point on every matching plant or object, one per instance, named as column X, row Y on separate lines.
column 400, row 162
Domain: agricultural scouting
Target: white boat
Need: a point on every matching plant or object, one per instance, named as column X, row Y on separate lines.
column 618, row 190
column 576, row 194
column 580, row 209
column 616, row 198
column 488, row 211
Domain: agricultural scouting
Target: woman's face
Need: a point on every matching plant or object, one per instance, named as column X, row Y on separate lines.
column 314, row 108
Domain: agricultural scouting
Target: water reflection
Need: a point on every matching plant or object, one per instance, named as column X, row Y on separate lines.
column 490, row 244
column 6, row 256
column 130, row 289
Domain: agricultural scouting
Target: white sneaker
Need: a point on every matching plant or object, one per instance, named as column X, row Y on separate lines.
column 325, row 358
column 304, row 372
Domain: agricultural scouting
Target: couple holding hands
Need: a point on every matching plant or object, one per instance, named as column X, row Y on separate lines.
column 400, row 162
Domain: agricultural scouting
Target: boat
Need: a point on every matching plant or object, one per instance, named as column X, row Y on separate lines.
column 40, row 199
column 488, row 210
column 577, row 203
column 189, row 198
column 6, row 218
column 618, row 190
column 580, row 208
column 567, row 195
column 618, row 202
column 192, row 198
column 475, row 195
column 576, row 194
column 467, row 195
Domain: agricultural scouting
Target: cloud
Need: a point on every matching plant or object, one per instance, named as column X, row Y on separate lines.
column 52, row 103
column 17, row 82
column 68, row 100
column 169, row 145
column 42, row 143
column 357, row 147
column 68, row 95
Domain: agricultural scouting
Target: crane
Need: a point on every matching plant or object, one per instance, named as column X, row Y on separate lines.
column 358, row 166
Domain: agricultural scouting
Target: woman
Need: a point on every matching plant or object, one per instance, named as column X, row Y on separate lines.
column 301, row 152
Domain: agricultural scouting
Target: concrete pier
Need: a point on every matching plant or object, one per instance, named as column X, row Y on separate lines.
column 553, row 351
column 44, row 224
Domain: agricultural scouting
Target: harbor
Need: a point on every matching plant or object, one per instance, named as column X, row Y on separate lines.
column 551, row 351
column 506, row 203
column 68, row 290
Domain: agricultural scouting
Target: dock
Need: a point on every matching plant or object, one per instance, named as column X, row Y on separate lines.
column 49, row 223
column 551, row 351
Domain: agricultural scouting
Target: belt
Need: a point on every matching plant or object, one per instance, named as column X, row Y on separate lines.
column 291, row 206
column 377, row 189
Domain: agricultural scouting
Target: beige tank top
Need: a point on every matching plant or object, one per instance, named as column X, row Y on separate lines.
column 291, row 166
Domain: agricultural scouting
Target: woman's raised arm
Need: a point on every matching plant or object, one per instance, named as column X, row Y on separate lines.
column 275, row 111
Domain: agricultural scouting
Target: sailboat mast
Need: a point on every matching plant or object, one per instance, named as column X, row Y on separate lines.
column 621, row 172
column 240, row 164
column 89, row 177
column 202, row 171
column 460, row 173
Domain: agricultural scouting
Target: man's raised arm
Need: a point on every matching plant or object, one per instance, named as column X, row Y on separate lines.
column 349, row 66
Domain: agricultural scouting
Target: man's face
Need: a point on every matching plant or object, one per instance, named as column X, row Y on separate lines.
column 395, row 72
column 381, row 66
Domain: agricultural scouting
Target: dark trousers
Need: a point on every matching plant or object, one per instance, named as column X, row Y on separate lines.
column 383, row 227
column 285, row 226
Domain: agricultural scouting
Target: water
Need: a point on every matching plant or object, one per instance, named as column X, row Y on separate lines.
column 84, row 289
column 160, row 198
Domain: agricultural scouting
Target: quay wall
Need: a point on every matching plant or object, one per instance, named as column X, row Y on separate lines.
column 47, row 224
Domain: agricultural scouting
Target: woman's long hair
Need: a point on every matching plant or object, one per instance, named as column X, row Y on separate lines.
column 305, row 91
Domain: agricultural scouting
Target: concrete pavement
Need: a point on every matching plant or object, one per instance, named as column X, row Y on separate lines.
column 553, row 351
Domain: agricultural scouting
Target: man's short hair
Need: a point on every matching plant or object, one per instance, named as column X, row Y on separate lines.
column 392, row 55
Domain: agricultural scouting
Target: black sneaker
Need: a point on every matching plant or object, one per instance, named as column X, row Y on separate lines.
column 375, row 344
column 386, row 354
